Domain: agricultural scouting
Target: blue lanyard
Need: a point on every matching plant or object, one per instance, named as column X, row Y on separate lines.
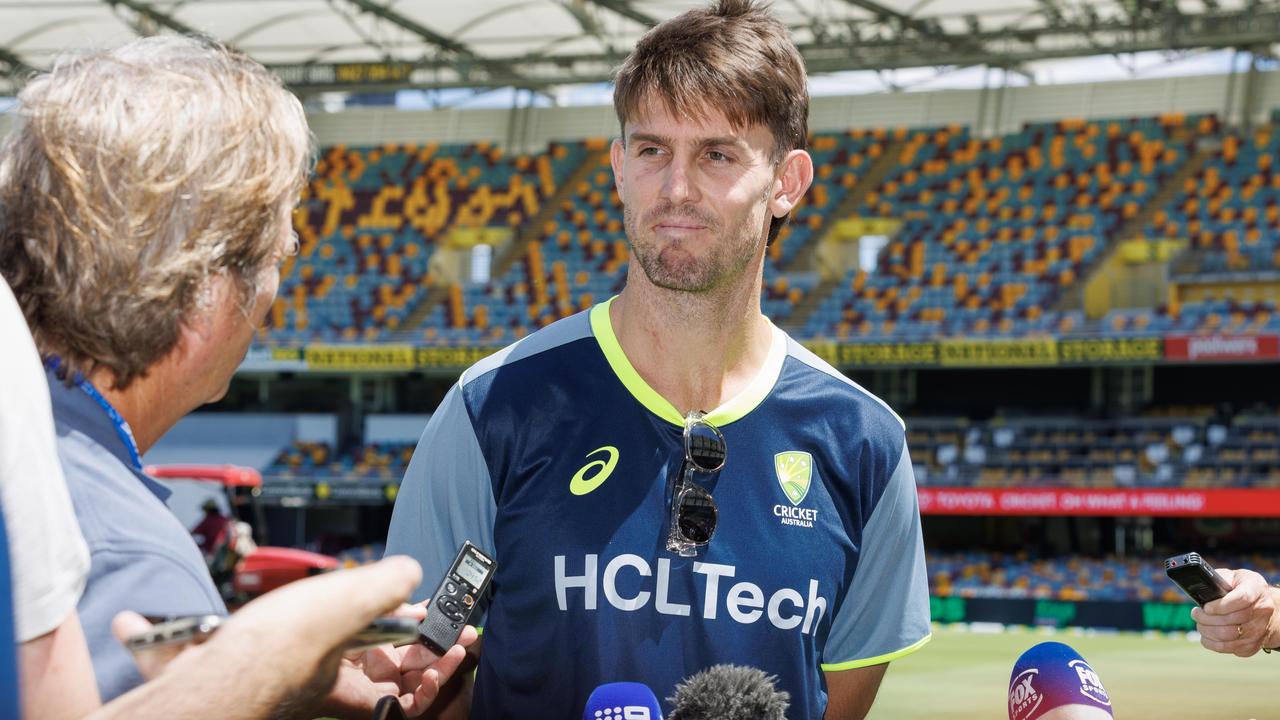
column 122, row 426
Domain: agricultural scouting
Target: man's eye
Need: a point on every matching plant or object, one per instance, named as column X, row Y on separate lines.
column 717, row 156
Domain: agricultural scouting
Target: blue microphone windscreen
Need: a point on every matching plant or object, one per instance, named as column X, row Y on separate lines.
column 622, row 701
column 1051, row 675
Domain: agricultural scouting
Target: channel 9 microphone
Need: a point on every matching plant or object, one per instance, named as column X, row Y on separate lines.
column 729, row 692
column 1052, row 682
column 622, row 701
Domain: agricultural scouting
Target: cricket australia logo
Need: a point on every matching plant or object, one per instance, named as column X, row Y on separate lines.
column 795, row 469
column 795, row 474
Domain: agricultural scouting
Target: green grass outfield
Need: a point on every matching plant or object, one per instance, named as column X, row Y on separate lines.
column 965, row 674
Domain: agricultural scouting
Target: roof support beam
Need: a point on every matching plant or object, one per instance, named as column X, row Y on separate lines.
column 1051, row 11
column 501, row 70
column 14, row 66
column 926, row 29
column 1075, row 37
column 156, row 16
column 624, row 8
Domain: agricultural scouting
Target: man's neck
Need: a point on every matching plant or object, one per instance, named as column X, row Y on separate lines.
column 150, row 404
column 697, row 350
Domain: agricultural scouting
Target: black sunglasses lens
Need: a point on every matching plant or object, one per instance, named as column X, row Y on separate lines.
column 705, row 447
column 696, row 518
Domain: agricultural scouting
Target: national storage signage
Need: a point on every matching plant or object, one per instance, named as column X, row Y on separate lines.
column 354, row 357
column 1035, row 352
column 923, row 354
column 1100, row 351
column 1030, row 352
column 391, row 357
column 1049, row 352
column 1235, row 502
column 998, row 353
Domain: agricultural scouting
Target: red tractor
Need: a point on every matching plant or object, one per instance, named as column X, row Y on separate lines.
column 240, row 567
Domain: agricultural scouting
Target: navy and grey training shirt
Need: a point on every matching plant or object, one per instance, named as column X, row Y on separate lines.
column 555, row 456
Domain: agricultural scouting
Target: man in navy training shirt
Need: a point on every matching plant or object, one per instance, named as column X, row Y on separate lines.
column 668, row 481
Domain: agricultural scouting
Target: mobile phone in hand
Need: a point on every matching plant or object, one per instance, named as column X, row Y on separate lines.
column 385, row 630
column 1196, row 578
column 187, row 630
column 197, row 628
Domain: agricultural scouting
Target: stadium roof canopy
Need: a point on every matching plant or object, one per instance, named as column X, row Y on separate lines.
column 368, row 45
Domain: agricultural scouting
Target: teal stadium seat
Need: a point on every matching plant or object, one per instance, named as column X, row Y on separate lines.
column 370, row 218
column 994, row 230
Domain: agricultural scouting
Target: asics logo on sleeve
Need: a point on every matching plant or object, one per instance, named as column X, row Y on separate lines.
column 581, row 484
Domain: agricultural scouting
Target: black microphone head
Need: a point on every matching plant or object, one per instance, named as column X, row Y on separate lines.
column 729, row 692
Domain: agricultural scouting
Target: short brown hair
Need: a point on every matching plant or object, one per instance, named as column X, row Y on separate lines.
column 133, row 176
column 735, row 58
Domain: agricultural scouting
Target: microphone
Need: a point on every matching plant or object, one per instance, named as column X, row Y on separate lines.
column 730, row 692
column 1052, row 682
column 622, row 701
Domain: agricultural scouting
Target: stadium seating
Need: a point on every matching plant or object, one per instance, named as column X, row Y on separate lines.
column 1169, row 447
column 1229, row 214
column 371, row 216
column 1188, row 451
column 993, row 232
column 996, row 229
column 581, row 255
column 840, row 161
column 982, row 574
column 1196, row 318
column 318, row 461
column 1169, row 450
column 978, row 574
column 1230, row 210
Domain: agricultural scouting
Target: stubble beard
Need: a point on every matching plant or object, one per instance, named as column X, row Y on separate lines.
column 672, row 265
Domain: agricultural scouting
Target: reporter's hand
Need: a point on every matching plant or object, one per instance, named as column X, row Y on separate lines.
column 1243, row 621
column 151, row 661
column 278, row 655
column 411, row 672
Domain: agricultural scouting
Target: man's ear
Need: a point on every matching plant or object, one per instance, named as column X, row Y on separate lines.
column 199, row 327
column 792, row 183
column 617, row 153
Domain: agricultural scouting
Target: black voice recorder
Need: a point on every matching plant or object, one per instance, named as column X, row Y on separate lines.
column 1196, row 578
column 456, row 599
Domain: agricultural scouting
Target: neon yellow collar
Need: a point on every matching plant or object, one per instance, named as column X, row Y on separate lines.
column 735, row 409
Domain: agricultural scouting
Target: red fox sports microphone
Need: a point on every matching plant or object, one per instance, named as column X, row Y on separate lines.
column 622, row 701
column 729, row 692
column 1052, row 682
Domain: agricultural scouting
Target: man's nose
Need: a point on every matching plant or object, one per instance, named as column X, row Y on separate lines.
column 680, row 183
